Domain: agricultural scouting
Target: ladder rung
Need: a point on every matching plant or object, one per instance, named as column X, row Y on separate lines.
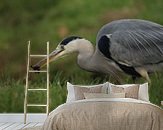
column 36, row 105
column 37, row 71
column 38, row 55
column 37, row 89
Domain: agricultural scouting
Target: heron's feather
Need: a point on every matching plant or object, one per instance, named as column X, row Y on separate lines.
column 134, row 42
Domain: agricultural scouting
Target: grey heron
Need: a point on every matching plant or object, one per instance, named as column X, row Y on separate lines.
column 130, row 46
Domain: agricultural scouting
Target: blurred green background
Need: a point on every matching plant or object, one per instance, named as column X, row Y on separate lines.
column 40, row 21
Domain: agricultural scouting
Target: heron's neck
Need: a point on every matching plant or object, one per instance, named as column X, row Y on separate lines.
column 85, row 54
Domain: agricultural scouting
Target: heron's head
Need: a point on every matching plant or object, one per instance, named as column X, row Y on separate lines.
column 66, row 46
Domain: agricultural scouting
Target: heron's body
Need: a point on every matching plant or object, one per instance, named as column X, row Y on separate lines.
column 133, row 43
column 132, row 46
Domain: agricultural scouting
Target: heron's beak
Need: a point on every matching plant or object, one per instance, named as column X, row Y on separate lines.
column 58, row 53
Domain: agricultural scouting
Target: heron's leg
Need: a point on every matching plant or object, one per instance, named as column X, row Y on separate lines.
column 118, row 78
column 134, row 79
column 143, row 73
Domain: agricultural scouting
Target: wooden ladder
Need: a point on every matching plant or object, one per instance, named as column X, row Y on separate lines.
column 38, row 89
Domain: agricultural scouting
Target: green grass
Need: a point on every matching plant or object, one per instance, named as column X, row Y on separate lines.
column 12, row 92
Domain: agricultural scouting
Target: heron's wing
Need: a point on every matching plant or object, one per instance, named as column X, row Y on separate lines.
column 137, row 47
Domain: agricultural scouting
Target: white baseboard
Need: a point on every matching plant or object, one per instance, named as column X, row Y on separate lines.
column 19, row 117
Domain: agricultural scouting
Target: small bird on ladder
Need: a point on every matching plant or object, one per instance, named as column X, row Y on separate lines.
column 130, row 46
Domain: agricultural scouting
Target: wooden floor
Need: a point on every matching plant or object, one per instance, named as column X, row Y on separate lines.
column 14, row 121
column 17, row 126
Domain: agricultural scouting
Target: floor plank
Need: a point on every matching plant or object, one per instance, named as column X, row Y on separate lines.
column 1, row 124
column 13, row 126
column 21, row 126
column 30, row 125
column 5, row 126
column 39, row 124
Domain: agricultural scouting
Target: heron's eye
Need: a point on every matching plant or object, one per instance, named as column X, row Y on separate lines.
column 62, row 47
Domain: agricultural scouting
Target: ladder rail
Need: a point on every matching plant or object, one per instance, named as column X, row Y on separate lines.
column 26, row 86
column 47, row 109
